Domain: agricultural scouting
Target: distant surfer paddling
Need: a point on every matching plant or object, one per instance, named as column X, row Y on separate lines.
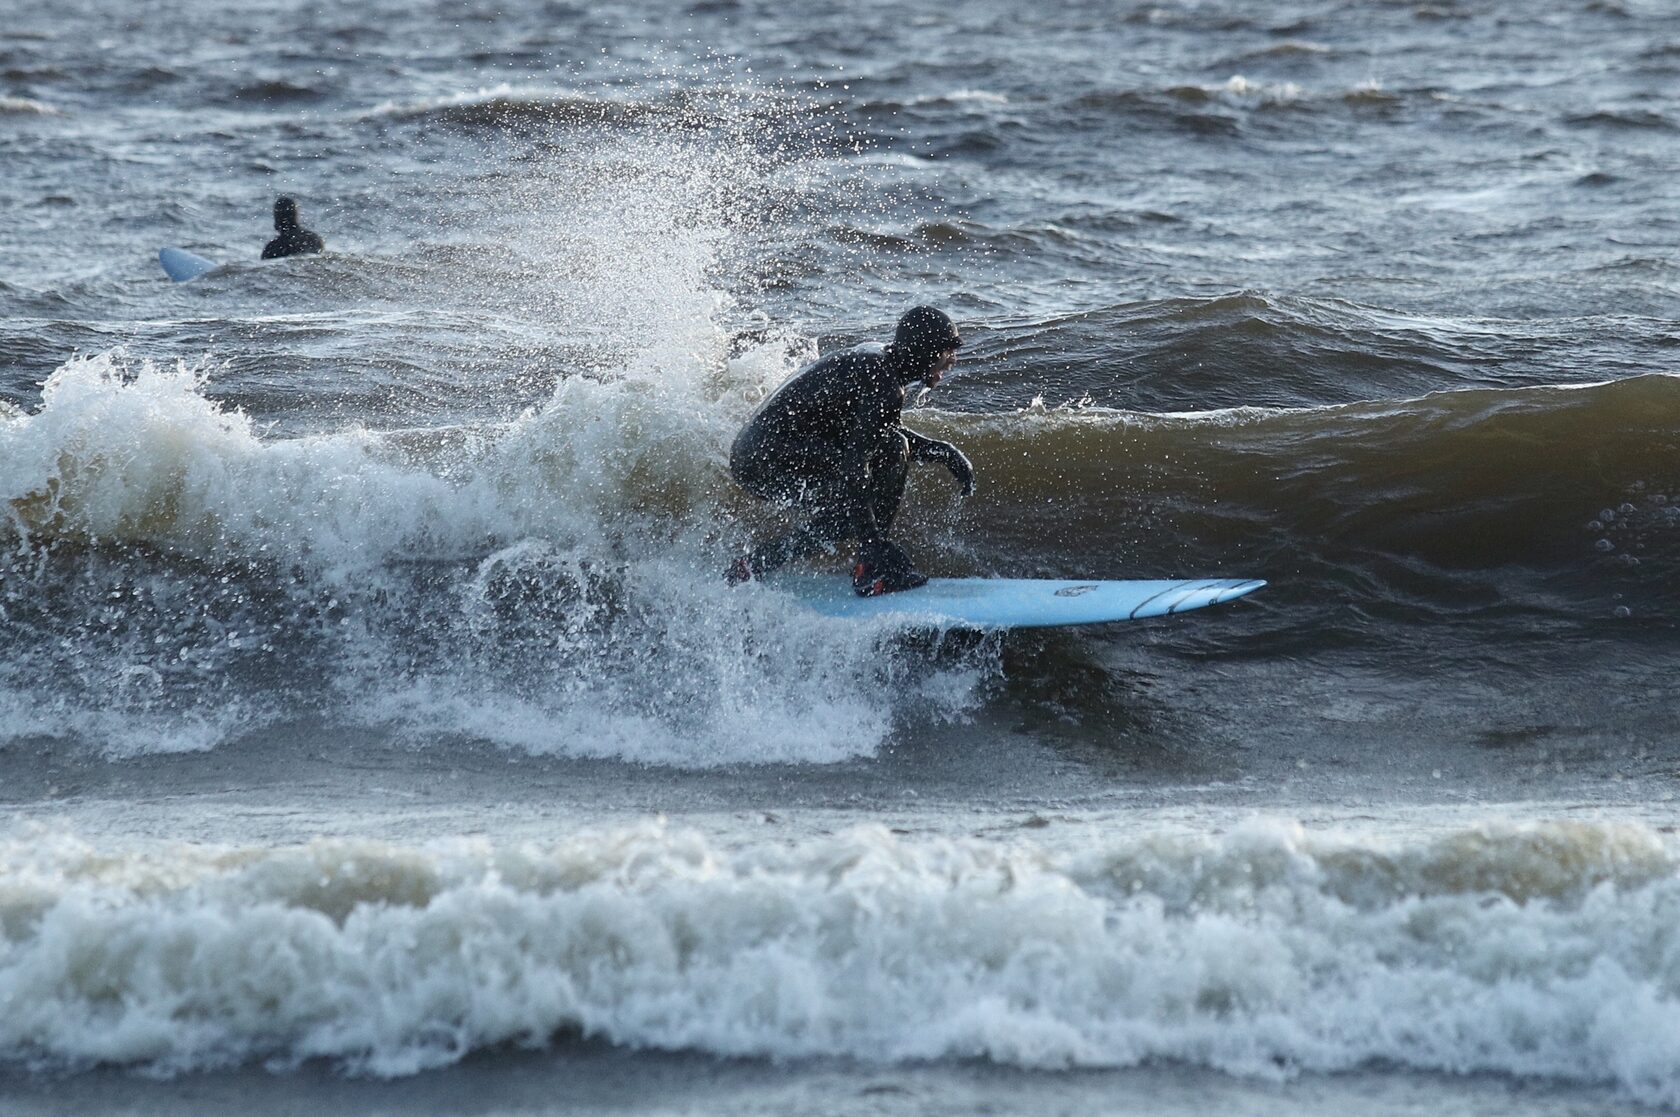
column 292, row 239
column 831, row 444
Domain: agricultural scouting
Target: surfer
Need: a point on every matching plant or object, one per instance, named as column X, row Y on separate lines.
column 831, row 444
column 294, row 239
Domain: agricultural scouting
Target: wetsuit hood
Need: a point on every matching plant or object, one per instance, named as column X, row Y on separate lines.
column 285, row 214
column 923, row 333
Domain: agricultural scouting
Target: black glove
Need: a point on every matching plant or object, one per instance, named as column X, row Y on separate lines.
column 925, row 449
column 961, row 468
column 884, row 567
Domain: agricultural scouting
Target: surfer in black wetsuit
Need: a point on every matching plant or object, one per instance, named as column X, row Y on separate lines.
column 830, row 443
column 294, row 239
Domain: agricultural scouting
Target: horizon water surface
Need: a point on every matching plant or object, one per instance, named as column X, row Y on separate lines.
column 377, row 733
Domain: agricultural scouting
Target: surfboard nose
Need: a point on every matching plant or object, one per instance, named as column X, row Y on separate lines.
column 181, row 265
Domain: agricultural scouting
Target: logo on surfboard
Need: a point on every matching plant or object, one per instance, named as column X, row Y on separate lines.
column 1074, row 591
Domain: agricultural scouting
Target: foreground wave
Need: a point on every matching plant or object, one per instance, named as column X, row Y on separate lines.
column 1542, row 951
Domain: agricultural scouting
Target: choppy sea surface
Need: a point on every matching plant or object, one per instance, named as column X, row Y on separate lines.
column 377, row 734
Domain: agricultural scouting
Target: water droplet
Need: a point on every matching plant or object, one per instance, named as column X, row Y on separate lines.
column 1625, row 509
column 1605, row 545
column 1622, row 611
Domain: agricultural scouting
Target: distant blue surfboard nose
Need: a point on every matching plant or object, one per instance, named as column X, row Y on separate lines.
column 181, row 265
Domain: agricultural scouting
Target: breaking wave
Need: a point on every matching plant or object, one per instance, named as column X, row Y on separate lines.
column 1537, row 951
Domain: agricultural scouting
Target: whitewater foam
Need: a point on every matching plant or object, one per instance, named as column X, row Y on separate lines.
column 550, row 583
column 1538, row 951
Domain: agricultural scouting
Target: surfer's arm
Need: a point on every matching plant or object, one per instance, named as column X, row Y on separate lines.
column 925, row 449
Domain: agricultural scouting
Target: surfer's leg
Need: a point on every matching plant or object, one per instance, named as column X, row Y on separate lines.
column 889, row 472
column 823, row 507
column 802, row 542
column 823, row 522
column 883, row 566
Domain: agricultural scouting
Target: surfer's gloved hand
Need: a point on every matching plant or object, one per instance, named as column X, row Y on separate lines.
column 925, row 449
column 884, row 567
column 952, row 459
column 961, row 468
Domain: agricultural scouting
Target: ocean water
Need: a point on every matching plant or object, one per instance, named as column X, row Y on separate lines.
column 377, row 734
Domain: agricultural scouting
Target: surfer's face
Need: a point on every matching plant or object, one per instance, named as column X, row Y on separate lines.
column 941, row 365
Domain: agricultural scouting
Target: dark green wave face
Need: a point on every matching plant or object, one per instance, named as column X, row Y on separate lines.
column 1483, row 482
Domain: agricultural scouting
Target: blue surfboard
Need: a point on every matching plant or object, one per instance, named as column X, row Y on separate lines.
column 181, row 265
column 1017, row 602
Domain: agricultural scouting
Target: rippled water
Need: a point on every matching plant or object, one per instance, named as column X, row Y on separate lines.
column 359, row 612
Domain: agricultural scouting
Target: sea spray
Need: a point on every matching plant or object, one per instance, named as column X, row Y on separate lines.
column 350, row 569
column 183, row 576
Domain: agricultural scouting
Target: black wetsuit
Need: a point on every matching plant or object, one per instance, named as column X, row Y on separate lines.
column 294, row 239
column 831, row 443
